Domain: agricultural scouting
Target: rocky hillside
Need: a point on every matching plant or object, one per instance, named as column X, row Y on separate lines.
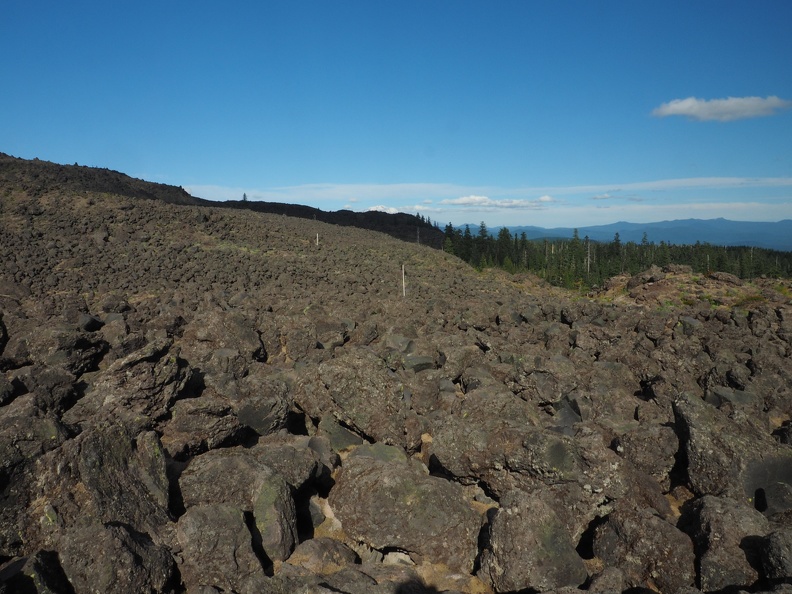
column 197, row 399
column 36, row 177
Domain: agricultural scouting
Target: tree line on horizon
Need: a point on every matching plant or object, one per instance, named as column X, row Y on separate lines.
column 582, row 263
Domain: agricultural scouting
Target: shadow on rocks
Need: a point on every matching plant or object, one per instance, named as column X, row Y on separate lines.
column 415, row 586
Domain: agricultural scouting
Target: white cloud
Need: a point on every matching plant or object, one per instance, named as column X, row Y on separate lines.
column 489, row 203
column 382, row 208
column 422, row 208
column 468, row 201
column 723, row 110
column 618, row 195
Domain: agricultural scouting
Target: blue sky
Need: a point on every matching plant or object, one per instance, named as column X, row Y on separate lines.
column 512, row 112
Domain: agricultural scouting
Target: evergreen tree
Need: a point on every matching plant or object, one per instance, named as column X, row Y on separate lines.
column 465, row 249
column 482, row 244
column 579, row 264
column 503, row 247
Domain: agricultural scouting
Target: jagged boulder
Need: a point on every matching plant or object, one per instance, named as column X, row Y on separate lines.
column 730, row 456
column 359, row 390
column 138, row 389
column 776, row 555
column 483, row 439
column 301, row 460
column 203, row 482
column 222, row 346
column 323, row 556
column 389, row 502
column 76, row 351
column 256, row 490
column 213, row 330
column 7, row 390
column 125, row 477
column 26, row 434
column 727, row 535
column 652, row 275
column 217, row 550
column 650, row 551
column 529, row 548
column 263, row 402
column 200, row 424
column 114, row 557
column 40, row 573
column 3, row 334
column 491, row 441
column 652, row 449
column 339, row 437
column 103, row 473
column 276, row 518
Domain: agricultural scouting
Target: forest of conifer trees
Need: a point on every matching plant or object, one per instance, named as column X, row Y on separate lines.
column 581, row 263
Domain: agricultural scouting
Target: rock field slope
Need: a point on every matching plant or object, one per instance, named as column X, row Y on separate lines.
column 196, row 399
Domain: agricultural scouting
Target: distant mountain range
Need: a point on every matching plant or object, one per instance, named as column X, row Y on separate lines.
column 776, row 236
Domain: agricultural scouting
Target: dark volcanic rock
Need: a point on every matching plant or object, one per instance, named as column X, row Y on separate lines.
column 727, row 535
column 7, row 390
column 256, row 490
column 228, row 332
column 138, row 389
column 103, row 473
column 26, row 434
column 388, row 502
column 125, row 477
column 263, row 403
column 776, row 556
column 203, row 481
column 730, row 456
column 652, row 450
column 77, row 352
column 529, row 548
column 340, row 438
column 651, row 552
column 276, row 518
column 301, row 460
column 3, row 334
column 200, row 424
column 54, row 388
column 323, row 556
column 41, row 572
column 359, row 390
column 486, row 432
column 217, row 551
column 114, row 558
